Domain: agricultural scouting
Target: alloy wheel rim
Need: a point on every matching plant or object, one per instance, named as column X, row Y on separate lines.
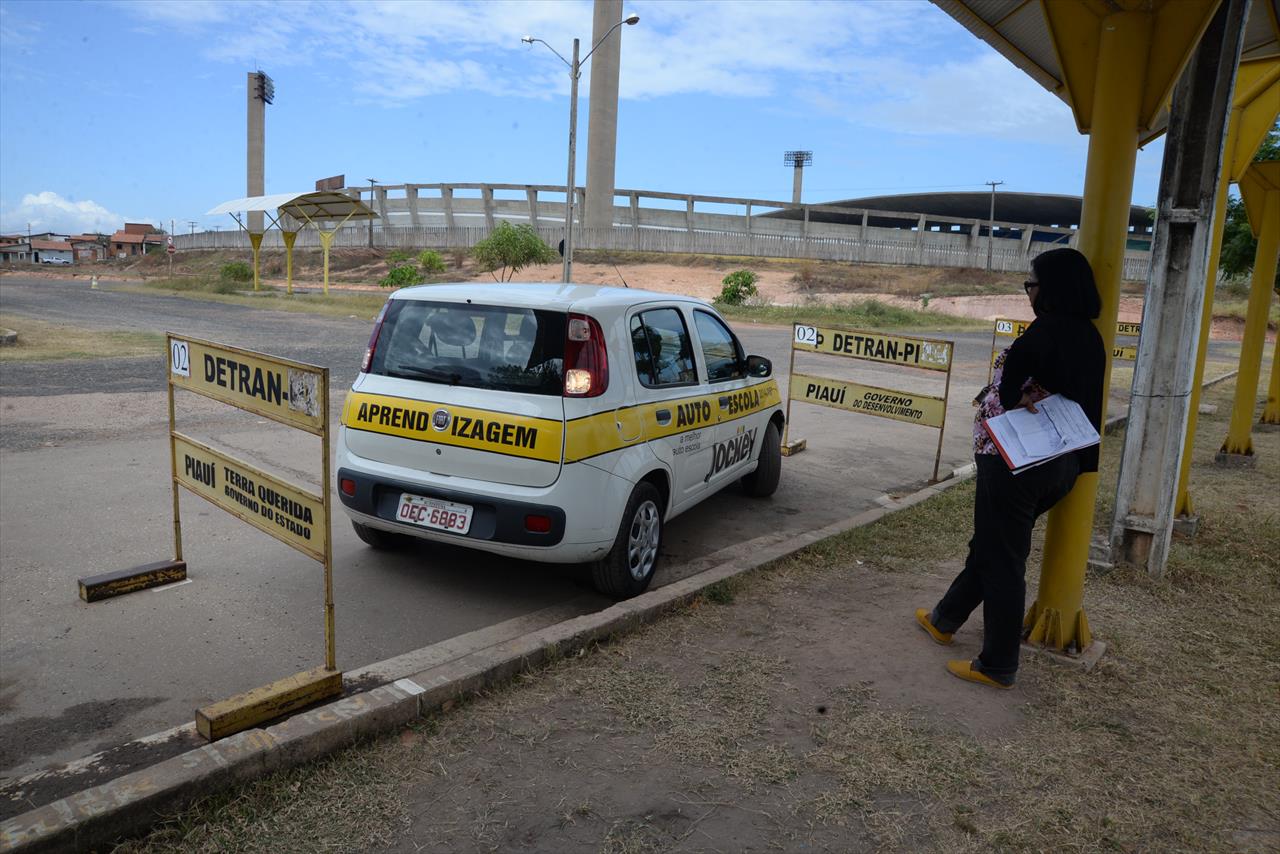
column 642, row 542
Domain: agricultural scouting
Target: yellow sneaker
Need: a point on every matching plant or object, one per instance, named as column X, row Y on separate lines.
column 922, row 617
column 962, row 669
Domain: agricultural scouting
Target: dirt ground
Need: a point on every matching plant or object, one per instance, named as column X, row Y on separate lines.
column 962, row 293
column 801, row 709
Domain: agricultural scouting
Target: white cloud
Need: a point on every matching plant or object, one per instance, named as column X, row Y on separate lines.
column 985, row 97
column 48, row 211
column 395, row 50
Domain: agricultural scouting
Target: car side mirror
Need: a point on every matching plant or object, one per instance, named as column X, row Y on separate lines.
column 759, row 366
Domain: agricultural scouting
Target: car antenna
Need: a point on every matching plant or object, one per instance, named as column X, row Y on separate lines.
column 619, row 272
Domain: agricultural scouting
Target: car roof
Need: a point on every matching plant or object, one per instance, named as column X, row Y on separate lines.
column 551, row 295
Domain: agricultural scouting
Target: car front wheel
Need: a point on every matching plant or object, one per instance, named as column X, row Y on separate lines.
column 628, row 568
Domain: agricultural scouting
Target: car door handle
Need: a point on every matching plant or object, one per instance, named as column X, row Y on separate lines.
column 663, row 416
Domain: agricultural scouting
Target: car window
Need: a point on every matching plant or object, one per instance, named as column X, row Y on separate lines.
column 475, row 346
column 664, row 356
column 720, row 349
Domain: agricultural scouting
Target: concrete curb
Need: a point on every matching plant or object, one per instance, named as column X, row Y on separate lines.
column 128, row 804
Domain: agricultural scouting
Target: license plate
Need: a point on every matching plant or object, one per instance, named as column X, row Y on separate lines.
column 434, row 513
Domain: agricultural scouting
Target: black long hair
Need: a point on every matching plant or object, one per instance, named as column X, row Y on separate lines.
column 1066, row 284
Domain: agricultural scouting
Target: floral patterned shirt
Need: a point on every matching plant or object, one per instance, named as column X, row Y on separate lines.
column 988, row 403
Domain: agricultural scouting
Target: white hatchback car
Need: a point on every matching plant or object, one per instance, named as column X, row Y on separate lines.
column 553, row 423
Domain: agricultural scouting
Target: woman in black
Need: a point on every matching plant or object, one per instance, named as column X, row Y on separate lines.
column 1061, row 352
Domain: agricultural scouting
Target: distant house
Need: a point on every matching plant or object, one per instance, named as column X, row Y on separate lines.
column 14, row 249
column 137, row 238
column 89, row 247
column 49, row 235
column 52, row 252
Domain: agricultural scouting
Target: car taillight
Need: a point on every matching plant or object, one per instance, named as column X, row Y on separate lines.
column 586, row 362
column 537, row 524
column 348, row 487
column 373, row 339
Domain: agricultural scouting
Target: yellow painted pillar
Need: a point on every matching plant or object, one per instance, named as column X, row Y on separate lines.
column 1271, row 412
column 1239, row 442
column 1183, row 506
column 288, row 237
column 255, row 240
column 326, row 240
column 1057, row 620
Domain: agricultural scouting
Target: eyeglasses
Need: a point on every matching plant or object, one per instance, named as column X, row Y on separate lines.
column 1027, row 286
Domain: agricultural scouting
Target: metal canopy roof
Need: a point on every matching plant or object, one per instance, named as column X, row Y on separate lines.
column 303, row 206
column 1259, row 179
column 1023, row 31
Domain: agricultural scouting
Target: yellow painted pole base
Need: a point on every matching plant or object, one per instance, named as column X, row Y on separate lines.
column 1043, row 627
column 794, row 447
column 96, row 587
column 281, row 697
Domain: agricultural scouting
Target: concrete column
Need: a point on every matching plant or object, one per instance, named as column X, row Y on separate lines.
column 532, row 195
column 1146, row 492
column 797, row 184
column 634, row 199
column 688, row 215
column 383, row 222
column 411, row 196
column 1027, row 231
column 602, row 127
column 255, row 150
column 921, row 227
column 446, row 199
column 486, row 197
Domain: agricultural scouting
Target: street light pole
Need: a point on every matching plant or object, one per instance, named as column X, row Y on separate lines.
column 371, row 183
column 575, row 71
column 991, row 221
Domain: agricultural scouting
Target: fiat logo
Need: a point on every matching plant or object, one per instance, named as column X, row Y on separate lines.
column 440, row 419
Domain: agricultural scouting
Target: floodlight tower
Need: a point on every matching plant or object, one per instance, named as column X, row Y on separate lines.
column 798, row 159
column 261, row 91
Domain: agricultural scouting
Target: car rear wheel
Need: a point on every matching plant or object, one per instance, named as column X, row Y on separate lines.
column 763, row 482
column 376, row 539
column 628, row 568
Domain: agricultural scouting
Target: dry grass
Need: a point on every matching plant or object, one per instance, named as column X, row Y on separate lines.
column 361, row 305
column 699, row 732
column 41, row 341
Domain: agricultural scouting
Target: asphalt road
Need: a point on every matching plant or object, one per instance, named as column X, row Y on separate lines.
column 85, row 489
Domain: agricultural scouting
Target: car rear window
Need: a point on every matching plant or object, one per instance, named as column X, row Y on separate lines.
column 476, row 346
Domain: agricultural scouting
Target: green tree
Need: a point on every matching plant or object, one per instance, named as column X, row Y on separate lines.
column 1238, row 243
column 509, row 248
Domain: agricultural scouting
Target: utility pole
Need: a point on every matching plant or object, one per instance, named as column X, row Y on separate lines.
column 991, row 220
column 192, row 223
column 371, row 183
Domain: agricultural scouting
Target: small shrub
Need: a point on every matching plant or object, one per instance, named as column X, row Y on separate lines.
column 430, row 261
column 459, row 257
column 236, row 271
column 738, row 285
column 397, row 256
column 508, row 248
column 400, row 277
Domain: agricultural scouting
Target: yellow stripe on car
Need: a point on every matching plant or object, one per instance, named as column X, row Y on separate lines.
column 464, row 427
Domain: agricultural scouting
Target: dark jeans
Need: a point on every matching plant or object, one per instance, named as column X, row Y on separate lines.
column 1005, row 509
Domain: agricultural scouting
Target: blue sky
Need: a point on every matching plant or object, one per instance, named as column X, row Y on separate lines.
column 136, row 110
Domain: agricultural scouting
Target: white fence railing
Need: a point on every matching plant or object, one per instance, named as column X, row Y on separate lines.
column 877, row 246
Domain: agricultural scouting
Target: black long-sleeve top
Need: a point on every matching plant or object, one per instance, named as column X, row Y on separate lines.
column 1066, row 356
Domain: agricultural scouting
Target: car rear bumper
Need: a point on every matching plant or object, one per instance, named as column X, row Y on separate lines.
column 494, row 520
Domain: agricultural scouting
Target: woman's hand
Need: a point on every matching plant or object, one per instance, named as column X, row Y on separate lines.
column 1028, row 403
